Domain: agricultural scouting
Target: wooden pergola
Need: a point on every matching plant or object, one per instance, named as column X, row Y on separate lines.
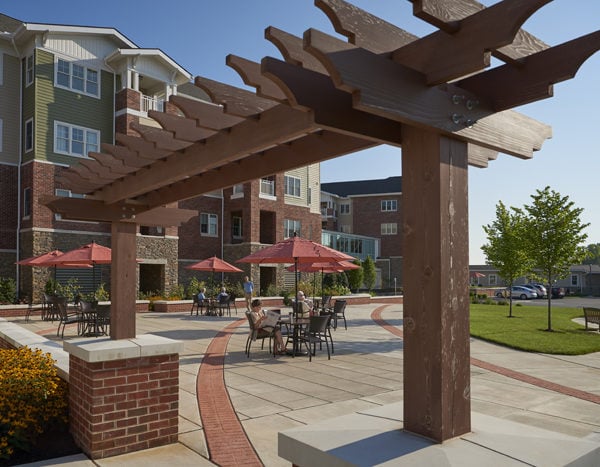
column 432, row 96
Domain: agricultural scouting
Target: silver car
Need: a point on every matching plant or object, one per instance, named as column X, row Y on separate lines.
column 518, row 291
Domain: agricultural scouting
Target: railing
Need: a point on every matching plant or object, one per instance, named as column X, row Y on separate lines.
column 267, row 187
column 152, row 103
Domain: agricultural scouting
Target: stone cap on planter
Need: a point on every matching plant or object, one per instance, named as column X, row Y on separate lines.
column 105, row 349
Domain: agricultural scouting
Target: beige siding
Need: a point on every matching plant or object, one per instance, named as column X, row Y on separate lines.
column 309, row 177
column 9, row 109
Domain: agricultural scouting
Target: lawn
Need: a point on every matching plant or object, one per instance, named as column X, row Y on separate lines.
column 526, row 330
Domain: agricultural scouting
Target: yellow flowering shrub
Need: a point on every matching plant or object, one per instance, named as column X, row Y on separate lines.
column 33, row 398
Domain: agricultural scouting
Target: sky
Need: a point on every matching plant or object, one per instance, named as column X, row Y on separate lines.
column 199, row 34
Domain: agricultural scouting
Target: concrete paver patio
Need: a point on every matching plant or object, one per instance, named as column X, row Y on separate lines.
column 270, row 394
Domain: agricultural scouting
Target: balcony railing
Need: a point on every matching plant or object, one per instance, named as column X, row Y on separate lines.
column 267, row 187
column 152, row 103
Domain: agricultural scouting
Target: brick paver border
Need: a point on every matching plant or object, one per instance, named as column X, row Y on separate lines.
column 542, row 383
column 226, row 439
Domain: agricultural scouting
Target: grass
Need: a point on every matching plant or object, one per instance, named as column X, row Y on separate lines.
column 526, row 330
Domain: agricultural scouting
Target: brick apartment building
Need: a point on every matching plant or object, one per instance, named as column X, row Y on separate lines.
column 66, row 91
column 367, row 208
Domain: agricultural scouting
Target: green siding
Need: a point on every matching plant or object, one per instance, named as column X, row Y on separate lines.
column 9, row 110
column 56, row 104
column 28, row 112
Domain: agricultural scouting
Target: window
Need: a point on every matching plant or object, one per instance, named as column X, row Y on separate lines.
column 267, row 186
column 574, row 279
column 390, row 228
column 65, row 194
column 1, row 130
column 389, row 205
column 291, row 186
column 27, row 203
column 345, row 208
column 236, row 227
column 29, row 70
column 75, row 141
column 493, row 279
column 76, row 78
column 289, row 227
column 238, row 189
column 208, row 225
column 29, row 135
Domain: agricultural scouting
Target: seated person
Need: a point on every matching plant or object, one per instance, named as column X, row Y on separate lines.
column 258, row 316
column 202, row 295
column 222, row 295
column 304, row 307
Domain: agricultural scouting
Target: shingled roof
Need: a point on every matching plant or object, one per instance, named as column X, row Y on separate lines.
column 364, row 187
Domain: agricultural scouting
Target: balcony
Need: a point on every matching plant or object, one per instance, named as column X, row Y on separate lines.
column 151, row 103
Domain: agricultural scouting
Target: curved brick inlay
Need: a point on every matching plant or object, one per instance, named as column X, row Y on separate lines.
column 227, row 442
column 542, row 383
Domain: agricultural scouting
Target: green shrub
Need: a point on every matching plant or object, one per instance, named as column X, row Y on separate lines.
column 8, row 290
column 70, row 290
column 101, row 294
column 33, row 399
column 194, row 286
column 177, row 292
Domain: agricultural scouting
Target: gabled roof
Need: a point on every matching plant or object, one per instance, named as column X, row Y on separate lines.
column 364, row 187
column 8, row 25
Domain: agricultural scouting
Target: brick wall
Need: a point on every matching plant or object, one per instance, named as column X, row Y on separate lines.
column 368, row 217
column 8, row 207
column 123, row 406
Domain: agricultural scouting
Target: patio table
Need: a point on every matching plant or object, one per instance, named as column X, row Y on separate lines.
column 295, row 326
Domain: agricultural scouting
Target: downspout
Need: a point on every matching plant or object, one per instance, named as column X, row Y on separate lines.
column 20, row 149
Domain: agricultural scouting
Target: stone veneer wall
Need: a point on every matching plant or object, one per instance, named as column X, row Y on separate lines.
column 165, row 250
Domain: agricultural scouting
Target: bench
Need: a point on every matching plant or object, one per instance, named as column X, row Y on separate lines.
column 591, row 315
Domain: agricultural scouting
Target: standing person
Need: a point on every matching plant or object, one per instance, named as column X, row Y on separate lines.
column 248, row 289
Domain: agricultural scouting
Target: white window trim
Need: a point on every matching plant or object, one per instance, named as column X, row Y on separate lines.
column 241, row 235
column 30, row 148
column 216, row 223
column 70, row 87
column 237, row 191
column 391, row 201
column 71, row 127
column 391, row 228
column 493, row 279
column 294, row 181
column 343, row 205
column 27, row 194
column 286, row 227
column 575, row 282
column 29, row 82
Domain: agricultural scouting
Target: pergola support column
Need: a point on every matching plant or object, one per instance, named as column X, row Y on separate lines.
column 123, row 280
column 436, row 298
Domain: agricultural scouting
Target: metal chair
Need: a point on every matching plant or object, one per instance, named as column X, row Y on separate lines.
column 257, row 333
column 66, row 317
column 316, row 333
column 339, row 311
column 223, row 305
column 197, row 303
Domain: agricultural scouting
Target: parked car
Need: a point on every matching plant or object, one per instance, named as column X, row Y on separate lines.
column 533, row 288
column 518, row 291
column 558, row 292
column 541, row 289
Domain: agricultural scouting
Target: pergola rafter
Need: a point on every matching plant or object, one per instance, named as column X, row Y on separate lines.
column 327, row 97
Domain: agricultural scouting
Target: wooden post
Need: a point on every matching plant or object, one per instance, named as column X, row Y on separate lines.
column 436, row 298
column 123, row 280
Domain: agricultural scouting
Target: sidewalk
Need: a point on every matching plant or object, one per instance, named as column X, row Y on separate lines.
column 270, row 395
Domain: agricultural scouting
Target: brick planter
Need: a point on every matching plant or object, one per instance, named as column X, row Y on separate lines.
column 123, row 394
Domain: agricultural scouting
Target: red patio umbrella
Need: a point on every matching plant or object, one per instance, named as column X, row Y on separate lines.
column 47, row 260
column 296, row 250
column 213, row 264
column 323, row 267
column 90, row 254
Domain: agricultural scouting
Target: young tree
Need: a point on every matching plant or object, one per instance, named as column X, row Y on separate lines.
column 554, row 237
column 506, row 247
column 369, row 273
column 355, row 276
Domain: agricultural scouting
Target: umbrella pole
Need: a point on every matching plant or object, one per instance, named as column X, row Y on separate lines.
column 296, row 279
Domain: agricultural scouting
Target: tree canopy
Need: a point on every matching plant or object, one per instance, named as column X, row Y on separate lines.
column 369, row 274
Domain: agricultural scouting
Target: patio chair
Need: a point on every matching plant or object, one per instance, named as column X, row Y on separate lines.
column 339, row 311
column 232, row 298
column 329, row 314
column 316, row 333
column 325, row 304
column 103, row 319
column 198, row 304
column 257, row 333
column 66, row 316
column 223, row 306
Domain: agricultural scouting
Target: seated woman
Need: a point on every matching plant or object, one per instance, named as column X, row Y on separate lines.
column 258, row 317
column 304, row 307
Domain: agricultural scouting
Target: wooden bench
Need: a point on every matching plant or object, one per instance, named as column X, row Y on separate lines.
column 591, row 315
